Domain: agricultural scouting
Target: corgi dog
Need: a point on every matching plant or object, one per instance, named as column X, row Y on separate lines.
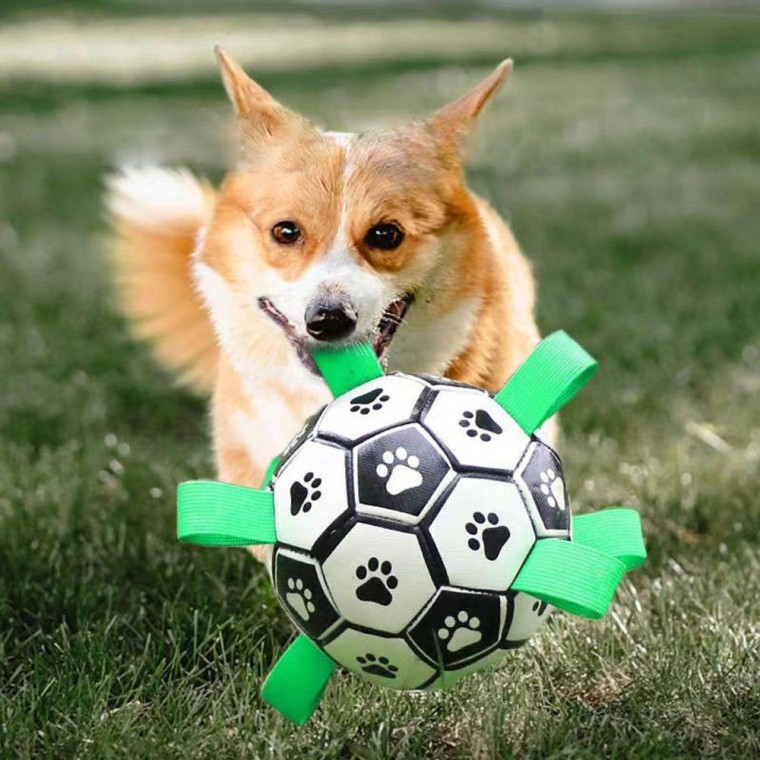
column 319, row 238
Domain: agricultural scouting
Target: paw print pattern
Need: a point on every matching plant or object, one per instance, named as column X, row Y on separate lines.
column 460, row 632
column 480, row 423
column 487, row 534
column 377, row 582
column 553, row 489
column 539, row 476
column 378, row 578
column 373, row 400
column 458, row 626
column 401, row 470
column 300, row 599
column 399, row 473
column 301, row 588
column 304, row 494
column 377, row 666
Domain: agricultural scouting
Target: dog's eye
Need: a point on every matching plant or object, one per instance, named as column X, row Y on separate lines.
column 286, row 233
column 386, row 236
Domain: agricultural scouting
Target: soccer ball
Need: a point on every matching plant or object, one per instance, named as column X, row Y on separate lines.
column 420, row 526
column 404, row 510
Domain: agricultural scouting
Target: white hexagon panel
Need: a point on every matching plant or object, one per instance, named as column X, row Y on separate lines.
column 310, row 493
column 540, row 478
column 479, row 434
column 386, row 661
column 378, row 577
column 301, row 588
column 528, row 617
column 483, row 533
column 375, row 405
column 459, row 626
column 400, row 473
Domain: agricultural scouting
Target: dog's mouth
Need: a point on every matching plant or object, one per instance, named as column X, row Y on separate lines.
column 392, row 318
column 382, row 336
column 266, row 305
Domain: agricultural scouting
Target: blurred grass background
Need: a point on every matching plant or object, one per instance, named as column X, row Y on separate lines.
column 625, row 153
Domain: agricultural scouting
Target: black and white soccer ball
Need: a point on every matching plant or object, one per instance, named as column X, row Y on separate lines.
column 404, row 511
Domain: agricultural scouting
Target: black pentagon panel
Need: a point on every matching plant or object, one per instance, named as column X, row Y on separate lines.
column 541, row 474
column 301, row 589
column 306, row 432
column 459, row 626
column 399, row 472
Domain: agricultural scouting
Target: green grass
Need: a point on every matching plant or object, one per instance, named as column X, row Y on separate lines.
column 632, row 181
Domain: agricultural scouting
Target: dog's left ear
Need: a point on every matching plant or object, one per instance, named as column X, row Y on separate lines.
column 453, row 123
column 259, row 115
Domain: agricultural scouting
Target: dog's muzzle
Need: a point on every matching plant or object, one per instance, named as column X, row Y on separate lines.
column 329, row 321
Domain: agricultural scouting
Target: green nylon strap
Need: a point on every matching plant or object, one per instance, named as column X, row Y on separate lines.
column 615, row 531
column 221, row 514
column 345, row 368
column 295, row 685
column 556, row 370
column 576, row 578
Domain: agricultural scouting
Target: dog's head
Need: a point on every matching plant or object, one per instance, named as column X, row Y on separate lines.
column 331, row 235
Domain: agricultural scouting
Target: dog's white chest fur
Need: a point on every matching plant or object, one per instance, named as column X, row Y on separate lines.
column 429, row 342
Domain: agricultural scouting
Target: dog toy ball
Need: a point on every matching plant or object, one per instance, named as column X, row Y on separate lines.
column 420, row 527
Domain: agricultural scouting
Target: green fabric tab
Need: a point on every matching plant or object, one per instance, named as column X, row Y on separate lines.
column 346, row 368
column 296, row 683
column 221, row 514
column 615, row 531
column 556, row 370
column 573, row 577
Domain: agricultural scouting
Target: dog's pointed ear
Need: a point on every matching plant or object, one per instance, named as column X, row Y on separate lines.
column 453, row 123
column 258, row 113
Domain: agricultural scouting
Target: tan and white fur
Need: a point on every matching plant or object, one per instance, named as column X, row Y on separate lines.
column 194, row 263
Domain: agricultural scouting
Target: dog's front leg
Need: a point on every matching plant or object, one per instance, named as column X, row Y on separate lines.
column 253, row 422
column 234, row 465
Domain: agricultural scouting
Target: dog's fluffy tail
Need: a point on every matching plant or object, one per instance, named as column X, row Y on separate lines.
column 156, row 216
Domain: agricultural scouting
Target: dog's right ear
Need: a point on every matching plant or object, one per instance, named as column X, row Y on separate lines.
column 453, row 123
column 259, row 114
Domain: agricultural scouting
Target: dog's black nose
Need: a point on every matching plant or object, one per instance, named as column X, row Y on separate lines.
column 326, row 321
